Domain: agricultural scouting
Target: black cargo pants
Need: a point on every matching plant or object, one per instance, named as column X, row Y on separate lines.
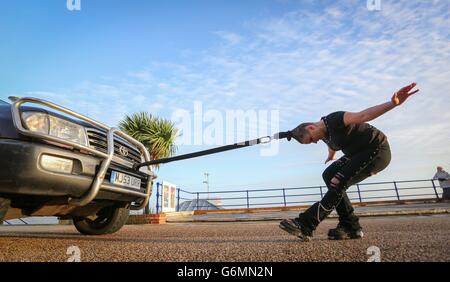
column 340, row 175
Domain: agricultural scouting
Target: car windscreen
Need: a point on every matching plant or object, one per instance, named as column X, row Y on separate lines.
column 3, row 102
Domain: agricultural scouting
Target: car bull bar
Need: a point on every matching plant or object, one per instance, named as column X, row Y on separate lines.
column 98, row 183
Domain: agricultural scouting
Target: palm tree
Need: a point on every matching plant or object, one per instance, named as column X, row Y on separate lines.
column 156, row 134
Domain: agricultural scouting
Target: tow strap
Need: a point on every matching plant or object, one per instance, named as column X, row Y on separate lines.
column 261, row 140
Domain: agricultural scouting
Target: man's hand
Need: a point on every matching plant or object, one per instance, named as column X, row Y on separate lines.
column 331, row 155
column 400, row 96
column 330, row 158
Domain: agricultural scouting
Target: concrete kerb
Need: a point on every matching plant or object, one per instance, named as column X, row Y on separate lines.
column 374, row 214
column 216, row 215
column 261, row 214
column 301, row 207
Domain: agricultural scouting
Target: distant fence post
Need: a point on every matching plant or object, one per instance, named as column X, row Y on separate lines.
column 321, row 192
column 198, row 199
column 178, row 199
column 396, row 191
column 359, row 193
column 157, row 197
column 248, row 201
column 284, row 197
column 435, row 190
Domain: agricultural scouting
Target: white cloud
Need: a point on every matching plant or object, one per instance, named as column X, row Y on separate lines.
column 229, row 37
column 309, row 63
column 142, row 75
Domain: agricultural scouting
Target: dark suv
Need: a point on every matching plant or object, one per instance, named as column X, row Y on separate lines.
column 55, row 162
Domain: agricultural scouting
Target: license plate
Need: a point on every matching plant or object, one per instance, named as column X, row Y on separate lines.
column 126, row 180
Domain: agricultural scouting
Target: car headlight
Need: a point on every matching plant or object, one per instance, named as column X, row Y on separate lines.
column 37, row 122
column 54, row 126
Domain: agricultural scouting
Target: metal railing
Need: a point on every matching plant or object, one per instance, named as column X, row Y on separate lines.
column 294, row 196
column 22, row 222
column 98, row 183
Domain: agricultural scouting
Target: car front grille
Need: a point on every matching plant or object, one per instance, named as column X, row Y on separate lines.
column 98, row 141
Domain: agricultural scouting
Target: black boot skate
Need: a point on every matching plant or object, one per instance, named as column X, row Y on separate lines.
column 342, row 232
column 296, row 228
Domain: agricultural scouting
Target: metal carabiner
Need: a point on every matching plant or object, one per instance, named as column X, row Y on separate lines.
column 265, row 139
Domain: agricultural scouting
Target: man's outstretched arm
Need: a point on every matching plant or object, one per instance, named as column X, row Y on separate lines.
column 372, row 113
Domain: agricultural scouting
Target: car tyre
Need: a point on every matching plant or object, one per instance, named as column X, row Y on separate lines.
column 109, row 220
column 4, row 206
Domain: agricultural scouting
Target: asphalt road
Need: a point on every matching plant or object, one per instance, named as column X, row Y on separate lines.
column 418, row 238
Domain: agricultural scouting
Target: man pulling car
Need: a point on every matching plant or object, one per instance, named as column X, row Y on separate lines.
column 366, row 152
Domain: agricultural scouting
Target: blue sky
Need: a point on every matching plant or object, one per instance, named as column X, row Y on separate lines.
column 303, row 58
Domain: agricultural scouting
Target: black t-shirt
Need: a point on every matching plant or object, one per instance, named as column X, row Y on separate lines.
column 351, row 138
